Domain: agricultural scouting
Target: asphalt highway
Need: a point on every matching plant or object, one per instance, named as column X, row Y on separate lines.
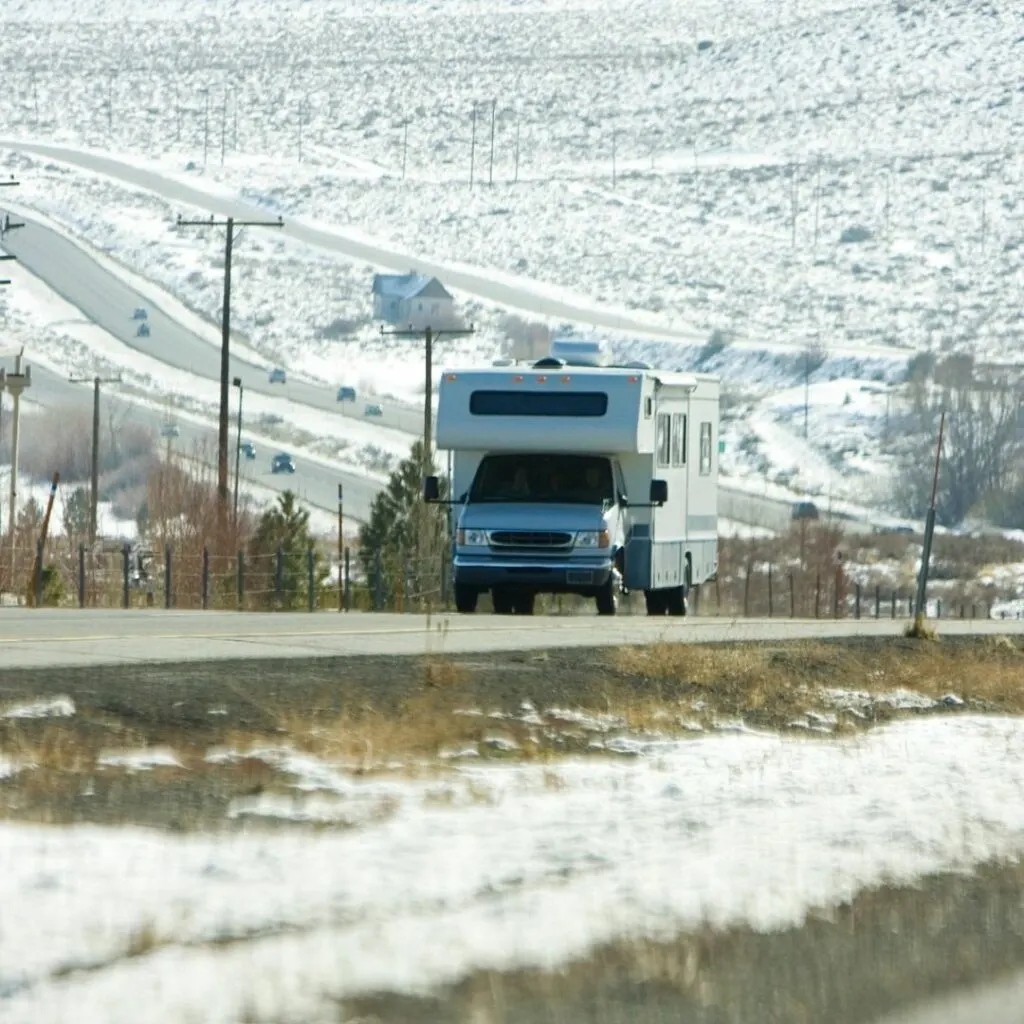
column 39, row 638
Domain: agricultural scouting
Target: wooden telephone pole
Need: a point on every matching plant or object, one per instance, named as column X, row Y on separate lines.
column 94, row 481
column 230, row 224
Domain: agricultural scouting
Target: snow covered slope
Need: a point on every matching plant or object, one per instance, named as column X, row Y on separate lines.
column 805, row 171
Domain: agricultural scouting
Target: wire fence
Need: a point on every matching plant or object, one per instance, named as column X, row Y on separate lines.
column 358, row 580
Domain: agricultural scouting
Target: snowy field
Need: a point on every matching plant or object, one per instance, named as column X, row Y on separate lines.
column 704, row 172
column 485, row 867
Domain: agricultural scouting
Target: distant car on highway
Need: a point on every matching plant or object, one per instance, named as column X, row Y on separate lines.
column 248, row 449
column 139, row 313
column 373, row 409
column 805, row 510
column 346, row 394
column 142, row 331
column 282, row 463
column 278, row 376
column 170, row 430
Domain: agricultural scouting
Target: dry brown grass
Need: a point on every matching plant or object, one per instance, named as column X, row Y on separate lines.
column 765, row 677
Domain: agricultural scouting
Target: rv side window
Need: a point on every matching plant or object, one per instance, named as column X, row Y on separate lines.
column 538, row 403
column 705, row 449
column 679, row 439
column 664, row 439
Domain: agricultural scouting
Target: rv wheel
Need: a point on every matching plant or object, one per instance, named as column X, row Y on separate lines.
column 608, row 597
column 676, row 600
column 465, row 599
column 656, row 601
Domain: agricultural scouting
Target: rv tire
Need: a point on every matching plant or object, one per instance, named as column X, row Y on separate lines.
column 608, row 597
column 656, row 601
column 676, row 600
column 465, row 599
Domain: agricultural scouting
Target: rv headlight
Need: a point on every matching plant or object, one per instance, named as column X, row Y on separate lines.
column 593, row 539
column 471, row 538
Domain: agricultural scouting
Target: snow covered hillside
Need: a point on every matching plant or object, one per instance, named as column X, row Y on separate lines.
column 765, row 176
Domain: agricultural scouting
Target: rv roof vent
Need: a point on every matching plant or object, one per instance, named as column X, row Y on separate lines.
column 636, row 364
column 579, row 352
column 549, row 362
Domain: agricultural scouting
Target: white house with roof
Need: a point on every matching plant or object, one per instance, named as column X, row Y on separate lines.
column 412, row 299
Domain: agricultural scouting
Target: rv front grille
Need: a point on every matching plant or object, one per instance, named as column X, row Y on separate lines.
column 530, row 539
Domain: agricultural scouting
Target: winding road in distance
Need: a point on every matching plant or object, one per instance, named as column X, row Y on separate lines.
column 108, row 301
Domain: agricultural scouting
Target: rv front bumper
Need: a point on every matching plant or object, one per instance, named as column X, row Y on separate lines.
column 577, row 575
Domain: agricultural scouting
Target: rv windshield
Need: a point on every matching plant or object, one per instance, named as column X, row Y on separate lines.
column 533, row 477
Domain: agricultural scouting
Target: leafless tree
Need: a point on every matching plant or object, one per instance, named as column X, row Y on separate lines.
column 981, row 451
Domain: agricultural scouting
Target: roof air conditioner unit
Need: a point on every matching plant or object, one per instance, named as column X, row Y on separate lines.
column 579, row 352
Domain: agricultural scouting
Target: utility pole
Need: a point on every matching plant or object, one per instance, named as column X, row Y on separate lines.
column 225, row 344
column 94, row 482
column 224, row 126
column 237, row 382
column 817, row 202
column 206, row 127
column 518, row 121
column 921, row 609
column 341, row 547
column 15, row 383
column 472, row 149
column 429, row 336
column 490, row 171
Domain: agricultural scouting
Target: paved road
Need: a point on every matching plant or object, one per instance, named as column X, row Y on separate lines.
column 51, row 637
column 108, row 301
column 313, row 482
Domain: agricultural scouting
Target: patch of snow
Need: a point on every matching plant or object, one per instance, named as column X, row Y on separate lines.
column 514, row 872
column 140, row 760
column 53, row 707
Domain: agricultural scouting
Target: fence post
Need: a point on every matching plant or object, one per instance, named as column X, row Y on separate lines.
column 961, row 609
column 126, row 554
column 37, row 581
column 378, row 582
column 311, row 577
column 341, row 578
column 835, row 595
column 81, row 575
column 817, row 596
column 206, row 578
column 770, row 595
column 746, row 592
column 938, row 608
column 878, row 600
column 241, row 580
column 792, row 597
column 892, row 603
column 167, row 576
column 348, row 577
column 857, row 606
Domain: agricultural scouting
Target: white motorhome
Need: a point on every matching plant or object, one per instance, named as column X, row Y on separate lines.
column 569, row 477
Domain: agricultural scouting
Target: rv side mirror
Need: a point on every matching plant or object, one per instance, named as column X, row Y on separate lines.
column 431, row 489
column 659, row 492
column 623, row 501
